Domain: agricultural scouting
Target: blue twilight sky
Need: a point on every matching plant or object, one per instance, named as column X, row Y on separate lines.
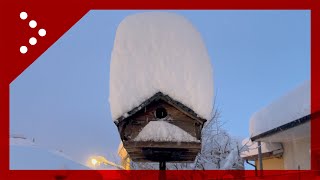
column 62, row 99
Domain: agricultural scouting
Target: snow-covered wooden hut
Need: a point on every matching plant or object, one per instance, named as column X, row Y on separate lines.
column 161, row 87
column 161, row 122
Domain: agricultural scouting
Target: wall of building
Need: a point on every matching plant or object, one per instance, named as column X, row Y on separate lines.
column 125, row 159
column 273, row 163
column 297, row 154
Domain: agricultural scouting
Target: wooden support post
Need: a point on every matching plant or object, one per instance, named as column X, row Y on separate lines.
column 162, row 165
column 162, row 172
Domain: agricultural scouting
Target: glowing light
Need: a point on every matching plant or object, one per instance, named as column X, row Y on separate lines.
column 97, row 160
column 94, row 161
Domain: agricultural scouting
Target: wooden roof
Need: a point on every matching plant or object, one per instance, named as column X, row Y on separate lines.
column 160, row 96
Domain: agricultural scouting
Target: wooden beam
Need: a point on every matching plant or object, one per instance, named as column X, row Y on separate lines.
column 188, row 145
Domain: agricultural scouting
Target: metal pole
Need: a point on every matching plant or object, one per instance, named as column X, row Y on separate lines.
column 162, row 165
column 255, row 167
column 260, row 157
column 162, row 172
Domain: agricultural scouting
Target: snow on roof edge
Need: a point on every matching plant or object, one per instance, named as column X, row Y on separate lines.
column 291, row 106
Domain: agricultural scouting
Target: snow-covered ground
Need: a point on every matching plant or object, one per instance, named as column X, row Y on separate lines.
column 159, row 51
column 165, row 132
column 25, row 155
column 292, row 106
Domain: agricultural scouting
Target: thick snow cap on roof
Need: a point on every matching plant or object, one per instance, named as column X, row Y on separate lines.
column 159, row 51
column 292, row 106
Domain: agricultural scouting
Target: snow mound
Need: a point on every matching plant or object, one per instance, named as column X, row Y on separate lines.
column 34, row 158
column 292, row 106
column 162, row 131
column 159, row 52
column 25, row 155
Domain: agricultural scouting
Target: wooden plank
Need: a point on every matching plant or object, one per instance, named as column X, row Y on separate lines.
column 189, row 145
column 181, row 159
column 169, row 151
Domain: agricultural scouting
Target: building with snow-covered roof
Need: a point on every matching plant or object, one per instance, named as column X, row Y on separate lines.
column 283, row 130
column 161, row 87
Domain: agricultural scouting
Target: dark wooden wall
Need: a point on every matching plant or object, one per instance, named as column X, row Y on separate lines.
column 129, row 128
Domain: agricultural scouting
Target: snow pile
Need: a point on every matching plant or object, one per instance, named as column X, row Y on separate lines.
column 290, row 107
column 25, row 155
column 33, row 158
column 252, row 147
column 158, row 51
column 164, row 131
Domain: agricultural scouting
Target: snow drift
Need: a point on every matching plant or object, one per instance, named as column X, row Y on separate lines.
column 164, row 131
column 159, row 51
column 292, row 106
column 25, row 155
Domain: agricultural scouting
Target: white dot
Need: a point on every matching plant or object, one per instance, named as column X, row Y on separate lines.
column 42, row 32
column 33, row 41
column 23, row 49
column 23, row 15
column 33, row 24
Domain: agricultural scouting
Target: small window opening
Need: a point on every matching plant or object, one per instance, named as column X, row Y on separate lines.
column 161, row 113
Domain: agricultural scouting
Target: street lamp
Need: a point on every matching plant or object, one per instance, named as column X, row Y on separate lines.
column 94, row 162
column 97, row 160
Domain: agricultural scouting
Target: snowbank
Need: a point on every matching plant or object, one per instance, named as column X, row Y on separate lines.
column 162, row 131
column 25, row 155
column 252, row 147
column 290, row 107
column 159, row 51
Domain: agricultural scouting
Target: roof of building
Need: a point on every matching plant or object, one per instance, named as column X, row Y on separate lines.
column 286, row 112
column 160, row 96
